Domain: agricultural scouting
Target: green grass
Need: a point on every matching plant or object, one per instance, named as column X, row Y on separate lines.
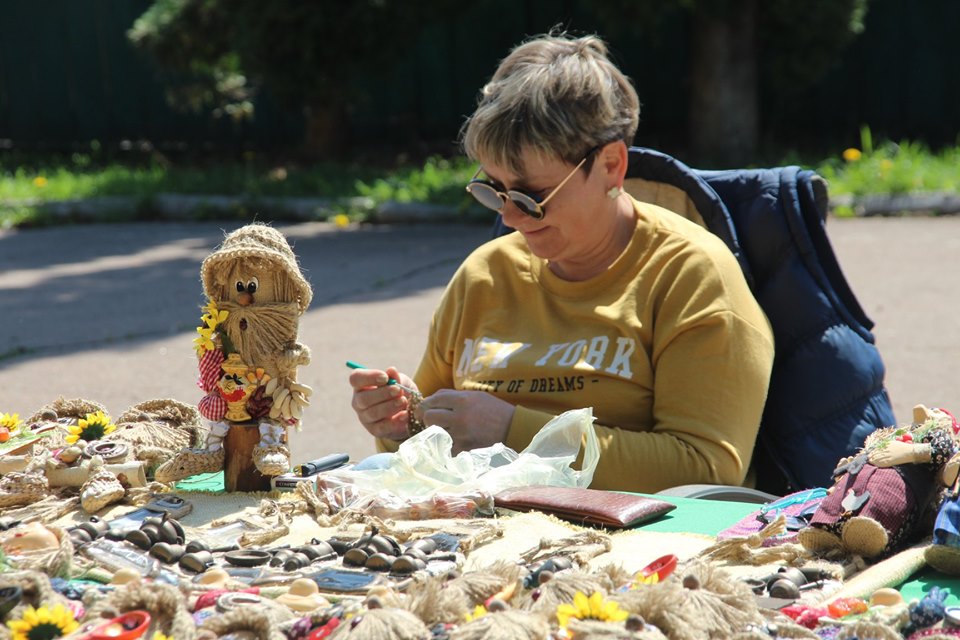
column 27, row 181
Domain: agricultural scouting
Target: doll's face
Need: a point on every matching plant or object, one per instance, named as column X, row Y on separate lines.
column 28, row 538
column 251, row 282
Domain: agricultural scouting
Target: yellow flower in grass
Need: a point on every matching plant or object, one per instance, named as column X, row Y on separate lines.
column 592, row 608
column 93, row 427
column 341, row 221
column 852, row 154
column 40, row 182
column 11, row 421
column 43, row 623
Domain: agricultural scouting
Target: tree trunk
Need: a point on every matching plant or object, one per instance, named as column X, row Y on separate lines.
column 326, row 131
column 724, row 117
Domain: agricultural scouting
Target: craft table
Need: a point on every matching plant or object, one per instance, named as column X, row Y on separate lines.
column 704, row 517
column 710, row 517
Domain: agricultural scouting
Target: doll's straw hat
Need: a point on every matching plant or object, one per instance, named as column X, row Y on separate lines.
column 256, row 242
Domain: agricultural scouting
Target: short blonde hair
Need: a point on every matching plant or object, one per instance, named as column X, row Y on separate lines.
column 556, row 95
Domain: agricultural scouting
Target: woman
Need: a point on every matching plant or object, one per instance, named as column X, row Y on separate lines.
column 598, row 301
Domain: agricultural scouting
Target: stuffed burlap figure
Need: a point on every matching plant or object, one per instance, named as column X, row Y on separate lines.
column 879, row 497
column 248, row 350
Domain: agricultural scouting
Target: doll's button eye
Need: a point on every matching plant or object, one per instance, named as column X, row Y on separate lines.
column 240, row 286
column 253, row 285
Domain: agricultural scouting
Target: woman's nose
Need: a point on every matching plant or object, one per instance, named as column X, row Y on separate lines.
column 511, row 212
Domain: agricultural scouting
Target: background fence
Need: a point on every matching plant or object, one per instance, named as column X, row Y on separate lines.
column 69, row 76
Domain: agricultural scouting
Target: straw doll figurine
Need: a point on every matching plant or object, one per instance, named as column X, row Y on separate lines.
column 248, row 351
column 881, row 494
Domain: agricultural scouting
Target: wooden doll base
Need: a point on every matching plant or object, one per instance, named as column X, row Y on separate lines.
column 239, row 472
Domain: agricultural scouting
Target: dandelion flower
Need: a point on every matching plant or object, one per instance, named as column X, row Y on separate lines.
column 43, row 623
column 40, row 182
column 341, row 220
column 93, row 427
column 852, row 154
column 592, row 608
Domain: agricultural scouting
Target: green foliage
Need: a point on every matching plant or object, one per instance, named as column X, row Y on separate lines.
column 891, row 168
column 27, row 182
column 439, row 181
column 305, row 53
column 192, row 42
column 796, row 41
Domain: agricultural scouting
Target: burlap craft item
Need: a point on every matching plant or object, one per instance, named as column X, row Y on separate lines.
column 188, row 463
column 165, row 604
column 376, row 624
column 255, row 242
column 506, row 625
column 694, row 602
column 36, row 588
column 62, row 413
column 10, row 463
column 633, row 628
column 943, row 558
column 438, row 600
column 158, row 429
column 51, row 562
column 102, row 488
column 892, row 571
column 131, row 474
column 22, row 488
column 248, row 621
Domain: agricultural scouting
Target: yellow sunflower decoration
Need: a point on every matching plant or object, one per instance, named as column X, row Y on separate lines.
column 93, row 427
column 43, row 623
column 592, row 608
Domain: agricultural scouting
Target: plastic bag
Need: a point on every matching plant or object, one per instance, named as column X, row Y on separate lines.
column 424, row 467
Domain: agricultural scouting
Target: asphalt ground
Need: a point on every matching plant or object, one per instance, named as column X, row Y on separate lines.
column 108, row 312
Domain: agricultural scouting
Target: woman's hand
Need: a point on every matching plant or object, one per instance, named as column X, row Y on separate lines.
column 473, row 418
column 381, row 408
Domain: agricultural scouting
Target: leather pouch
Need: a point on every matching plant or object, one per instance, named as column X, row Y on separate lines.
column 585, row 506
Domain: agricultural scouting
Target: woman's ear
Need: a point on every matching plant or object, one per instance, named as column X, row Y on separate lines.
column 613, row 159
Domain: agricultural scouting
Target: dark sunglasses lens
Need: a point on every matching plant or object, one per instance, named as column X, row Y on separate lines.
column 485, row 195
column 526, row 204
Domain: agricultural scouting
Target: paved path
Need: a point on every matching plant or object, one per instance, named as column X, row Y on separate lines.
column 107, row 312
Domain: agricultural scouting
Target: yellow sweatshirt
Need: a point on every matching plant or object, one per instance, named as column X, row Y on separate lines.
column 668, row 346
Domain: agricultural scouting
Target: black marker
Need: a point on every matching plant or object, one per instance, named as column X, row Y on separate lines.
column 326, row 463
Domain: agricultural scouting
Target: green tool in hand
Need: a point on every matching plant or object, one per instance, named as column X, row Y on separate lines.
column 356, row 365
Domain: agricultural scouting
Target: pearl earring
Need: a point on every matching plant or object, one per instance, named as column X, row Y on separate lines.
column 614, row 193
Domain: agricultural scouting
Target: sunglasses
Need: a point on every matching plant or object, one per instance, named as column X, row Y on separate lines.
column 487, row 194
